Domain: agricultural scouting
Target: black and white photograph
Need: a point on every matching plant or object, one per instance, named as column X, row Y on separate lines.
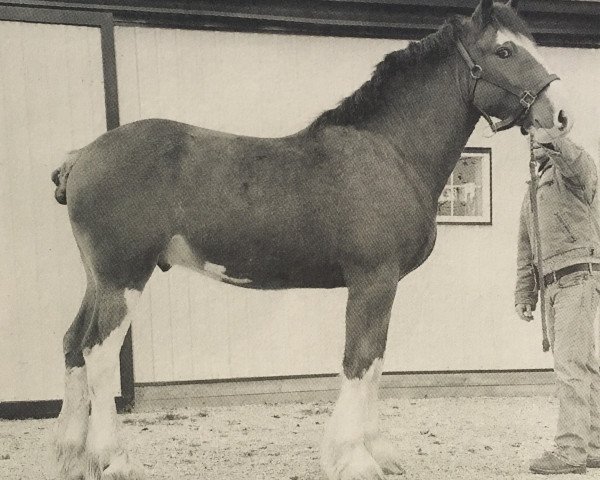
column 299, row 239
column 467, row 196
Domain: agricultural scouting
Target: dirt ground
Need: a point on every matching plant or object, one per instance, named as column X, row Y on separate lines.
column 451, row 438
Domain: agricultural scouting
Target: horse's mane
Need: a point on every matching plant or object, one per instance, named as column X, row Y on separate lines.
column 365, row 101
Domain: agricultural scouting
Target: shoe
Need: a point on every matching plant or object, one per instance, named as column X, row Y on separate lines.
column 593, row 462
column 550, row 464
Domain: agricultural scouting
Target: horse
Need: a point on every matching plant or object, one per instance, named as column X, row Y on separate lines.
column 348, row 202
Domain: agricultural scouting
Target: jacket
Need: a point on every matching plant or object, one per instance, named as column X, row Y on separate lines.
column 568, row 213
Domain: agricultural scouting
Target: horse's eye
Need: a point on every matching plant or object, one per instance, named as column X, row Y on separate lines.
column 503, row 52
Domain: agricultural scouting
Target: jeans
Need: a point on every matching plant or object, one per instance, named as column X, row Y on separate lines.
column 574, row 333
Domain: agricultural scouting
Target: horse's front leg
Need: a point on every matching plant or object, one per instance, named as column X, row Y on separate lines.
column 352, row 448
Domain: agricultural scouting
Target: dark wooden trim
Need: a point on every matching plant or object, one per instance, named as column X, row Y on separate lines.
column 103, row 21
column 30, row 409
column 59, row 17
column 316, row 376
column 44, row 408
column 564, row 23
column 109, row 70
column 326, row 388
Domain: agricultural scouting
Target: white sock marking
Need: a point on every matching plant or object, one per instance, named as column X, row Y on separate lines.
column 72, row 424
column 102, row 361
column 73, row 418
column 354, row 417
column 357, row 401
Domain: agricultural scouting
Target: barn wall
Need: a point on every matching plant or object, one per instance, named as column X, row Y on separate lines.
column 52, row 101
column 455, row 313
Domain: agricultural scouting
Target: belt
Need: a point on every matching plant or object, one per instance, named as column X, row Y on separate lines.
column 552, row 277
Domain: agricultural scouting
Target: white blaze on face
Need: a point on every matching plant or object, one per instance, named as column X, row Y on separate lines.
column 521, row 41
column 554, row 91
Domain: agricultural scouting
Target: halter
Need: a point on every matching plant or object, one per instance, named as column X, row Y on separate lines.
column 527, row 95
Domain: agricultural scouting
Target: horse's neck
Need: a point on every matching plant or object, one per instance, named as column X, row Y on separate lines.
column 428, row 121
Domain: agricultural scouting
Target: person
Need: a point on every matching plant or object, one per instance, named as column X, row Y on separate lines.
column 568, row 215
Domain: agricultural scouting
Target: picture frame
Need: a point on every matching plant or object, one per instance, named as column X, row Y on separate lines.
column 467, row 196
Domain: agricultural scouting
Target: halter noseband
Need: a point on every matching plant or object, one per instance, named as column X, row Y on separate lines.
column 526, row 96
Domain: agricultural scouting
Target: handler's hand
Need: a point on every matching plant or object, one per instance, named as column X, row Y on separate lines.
column 524, row 311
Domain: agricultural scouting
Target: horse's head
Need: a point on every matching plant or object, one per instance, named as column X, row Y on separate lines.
column 509, row 79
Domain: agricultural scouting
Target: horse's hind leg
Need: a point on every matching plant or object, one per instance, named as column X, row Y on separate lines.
column 107, row 458
column 72, row 425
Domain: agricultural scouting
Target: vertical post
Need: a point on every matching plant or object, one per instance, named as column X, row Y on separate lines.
column 111, row 101
column 109, row 70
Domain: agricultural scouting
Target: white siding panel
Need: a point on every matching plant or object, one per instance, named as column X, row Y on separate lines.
column 52, row 101
column 454, row 313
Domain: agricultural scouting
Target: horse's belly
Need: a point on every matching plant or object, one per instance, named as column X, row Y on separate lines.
column 266, row 273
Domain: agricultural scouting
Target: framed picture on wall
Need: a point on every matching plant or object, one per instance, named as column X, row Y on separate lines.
column 467, row 196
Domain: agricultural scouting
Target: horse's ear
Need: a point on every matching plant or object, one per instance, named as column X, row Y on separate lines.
column 483, row 13
column 513, row 3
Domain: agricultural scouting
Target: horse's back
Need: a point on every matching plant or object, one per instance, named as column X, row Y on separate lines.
column 143, row 159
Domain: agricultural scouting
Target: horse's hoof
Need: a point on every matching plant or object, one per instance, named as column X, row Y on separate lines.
column 355, row 463
column 358, row 464
column 386, row 456
column 116, row 466
column 123, row 467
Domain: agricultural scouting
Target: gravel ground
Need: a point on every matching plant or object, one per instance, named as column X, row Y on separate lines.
column 447, row 438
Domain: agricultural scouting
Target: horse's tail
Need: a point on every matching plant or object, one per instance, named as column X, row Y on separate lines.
column 60, row 176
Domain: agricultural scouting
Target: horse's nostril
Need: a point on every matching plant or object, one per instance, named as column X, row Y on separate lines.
column 563, row 120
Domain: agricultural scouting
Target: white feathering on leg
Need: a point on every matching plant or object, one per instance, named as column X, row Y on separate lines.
column 344, row 455
column 72, row 425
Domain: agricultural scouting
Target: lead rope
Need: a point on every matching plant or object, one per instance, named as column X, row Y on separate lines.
column 537, row 237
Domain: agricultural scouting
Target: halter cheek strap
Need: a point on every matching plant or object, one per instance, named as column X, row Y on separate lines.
column 527, row 95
